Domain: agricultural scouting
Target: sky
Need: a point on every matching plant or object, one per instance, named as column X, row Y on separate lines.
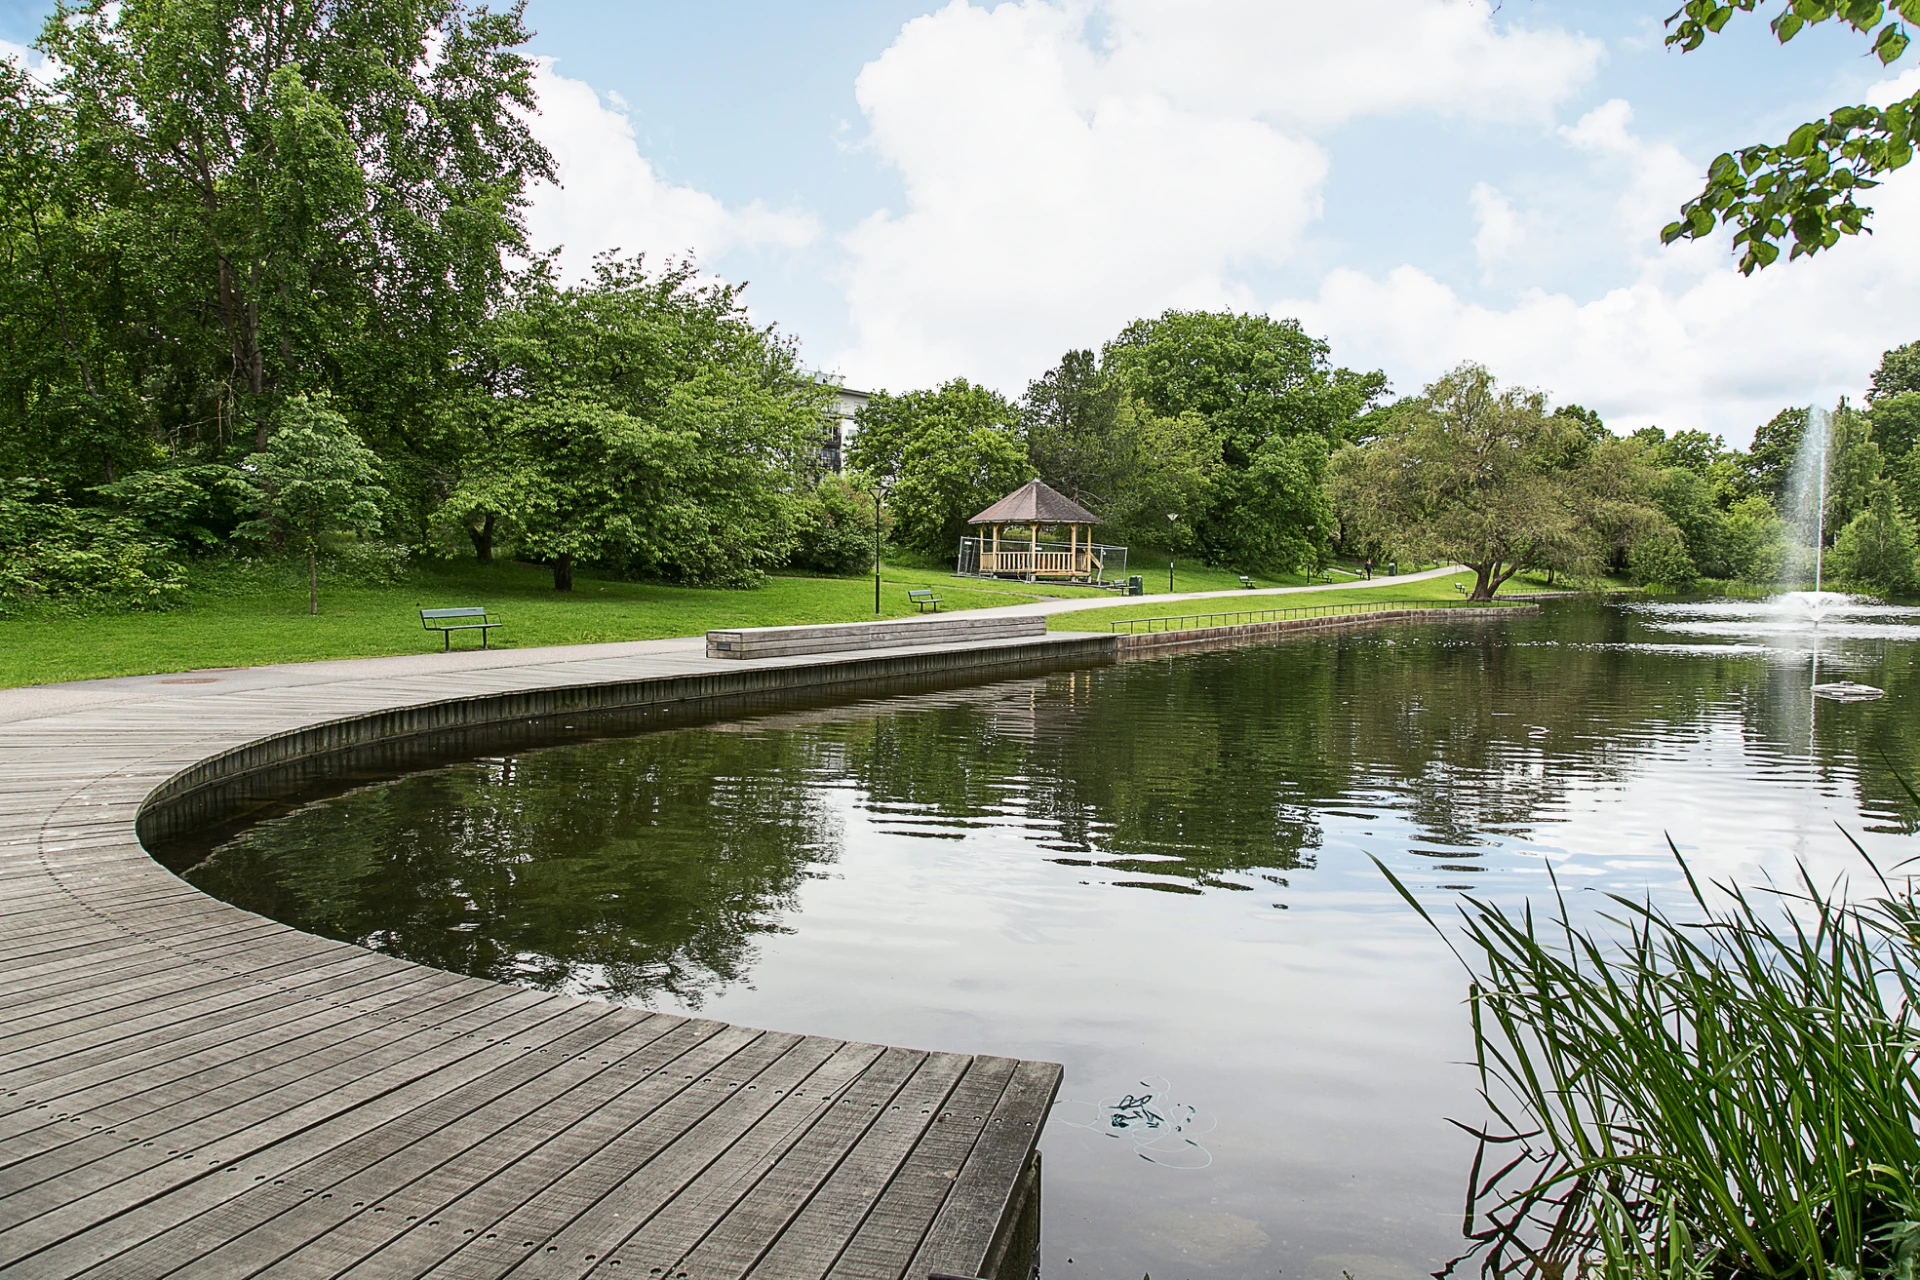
column 918, row 192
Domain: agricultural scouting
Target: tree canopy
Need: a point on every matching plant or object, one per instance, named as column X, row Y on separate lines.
column 1803, row 188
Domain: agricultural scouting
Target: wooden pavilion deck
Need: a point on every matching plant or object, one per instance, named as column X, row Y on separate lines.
column 187, row 1089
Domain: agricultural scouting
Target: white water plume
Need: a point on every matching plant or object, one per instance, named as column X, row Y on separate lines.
column 1804, row 504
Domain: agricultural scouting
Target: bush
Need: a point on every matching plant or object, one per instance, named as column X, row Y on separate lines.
column 1876, row 550
column 52, row 551
column 833, row 530
column 369, row 563
column 1662, row 561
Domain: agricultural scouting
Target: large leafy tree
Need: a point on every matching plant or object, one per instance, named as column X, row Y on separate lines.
column 638, row 422
column 1091, row 438
column 1471, row 472
column 944, row 455
column 1802, row 190
column 1271, row 399
column 219, row 204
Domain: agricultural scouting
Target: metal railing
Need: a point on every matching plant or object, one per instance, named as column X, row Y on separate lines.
column 1243, row 617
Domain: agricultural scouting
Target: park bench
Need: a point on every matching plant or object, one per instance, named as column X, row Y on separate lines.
column 1246, row 582
column 448, row 621
column 923, row 598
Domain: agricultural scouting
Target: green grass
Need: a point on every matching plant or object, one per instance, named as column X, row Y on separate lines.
column 1429, row 589
column 238, row 620
column 252, row 617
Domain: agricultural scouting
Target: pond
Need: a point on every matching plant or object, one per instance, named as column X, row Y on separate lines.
column 1157, row 873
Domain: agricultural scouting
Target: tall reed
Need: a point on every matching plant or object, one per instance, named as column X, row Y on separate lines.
column 1731, row 1095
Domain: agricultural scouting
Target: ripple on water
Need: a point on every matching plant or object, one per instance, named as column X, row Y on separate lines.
column 1153, row 870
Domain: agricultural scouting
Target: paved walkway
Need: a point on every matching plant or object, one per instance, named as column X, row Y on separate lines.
column 34, row 701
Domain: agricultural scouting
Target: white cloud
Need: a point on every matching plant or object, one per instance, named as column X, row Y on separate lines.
column 1320, row 64
column 32, row 61
column 1055, row 190
column 610, row 197
column 1683, row 341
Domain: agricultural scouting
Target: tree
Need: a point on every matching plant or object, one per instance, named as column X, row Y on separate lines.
column 946, row 454
column 1805, row 186
column 1877, row 549
column 1898, row 374
column 1098, row 443
column 637, row 421
column 888, row 425
column 314, row 478
column 1466, row 471
column 220, row 204
column 1770, row 461
column 949, row 473
column 1256, row 383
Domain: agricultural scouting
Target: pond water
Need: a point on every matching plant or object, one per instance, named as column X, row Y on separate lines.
column 1156, row 873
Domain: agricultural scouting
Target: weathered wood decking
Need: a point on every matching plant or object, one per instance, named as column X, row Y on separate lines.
column 188, row 1089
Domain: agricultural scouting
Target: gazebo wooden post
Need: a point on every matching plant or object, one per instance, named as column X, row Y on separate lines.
column 1033, row 550
column 1073, row 551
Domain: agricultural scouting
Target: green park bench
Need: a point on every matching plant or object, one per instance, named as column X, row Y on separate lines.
column 922, row 598
column 467, row 618
column 1246, row 582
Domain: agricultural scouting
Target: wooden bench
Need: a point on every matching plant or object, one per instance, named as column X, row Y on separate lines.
column 922, row 598
column 448, row 621
column 1246, row 582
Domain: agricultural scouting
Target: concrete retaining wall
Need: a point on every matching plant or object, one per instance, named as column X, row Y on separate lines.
column 1250, row 632
column 841, row 637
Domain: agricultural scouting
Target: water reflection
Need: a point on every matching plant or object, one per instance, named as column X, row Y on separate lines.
column 1156, row 870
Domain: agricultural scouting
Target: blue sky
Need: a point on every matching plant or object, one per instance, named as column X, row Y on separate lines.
column 923, row 191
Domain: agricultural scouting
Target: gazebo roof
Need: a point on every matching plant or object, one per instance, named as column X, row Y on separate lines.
column 1036, row 503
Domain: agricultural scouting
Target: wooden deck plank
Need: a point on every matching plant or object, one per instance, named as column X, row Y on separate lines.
column 175, row 1074
column 675, row 1177
column 812, row 1242
column 458, row 1192
column 913, row 1199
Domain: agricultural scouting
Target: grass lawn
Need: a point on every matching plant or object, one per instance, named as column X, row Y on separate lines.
column 1428, row 589
column 251, row 624
column 235, row 621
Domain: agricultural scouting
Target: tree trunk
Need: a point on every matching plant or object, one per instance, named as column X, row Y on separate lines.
column 563, row 573
column 313, row 584
column 1483, row 583
column 482, row 541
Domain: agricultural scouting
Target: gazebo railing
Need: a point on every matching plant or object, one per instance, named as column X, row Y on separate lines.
column 1091, row 561
column 1242, row 617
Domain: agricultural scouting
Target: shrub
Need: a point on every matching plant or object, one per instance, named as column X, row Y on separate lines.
column 1662, row 561
column 53, row 551
column 1876, row 550
column 833, row 529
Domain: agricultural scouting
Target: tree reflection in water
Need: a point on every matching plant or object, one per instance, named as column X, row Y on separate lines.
column 645, row 867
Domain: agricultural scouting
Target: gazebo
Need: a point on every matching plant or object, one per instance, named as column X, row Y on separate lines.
column 1029, row 509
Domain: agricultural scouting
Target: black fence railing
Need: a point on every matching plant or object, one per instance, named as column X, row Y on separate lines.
column 1243, row 617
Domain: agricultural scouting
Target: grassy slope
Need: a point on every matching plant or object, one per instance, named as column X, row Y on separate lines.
column 231, row 623
column 250, row 625
column 1097, row 619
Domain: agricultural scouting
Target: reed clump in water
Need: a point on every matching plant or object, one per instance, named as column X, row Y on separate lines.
column 1729, row 1096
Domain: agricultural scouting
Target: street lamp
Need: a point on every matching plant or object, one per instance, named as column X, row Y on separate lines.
column 1172, row 529
column 876, row 548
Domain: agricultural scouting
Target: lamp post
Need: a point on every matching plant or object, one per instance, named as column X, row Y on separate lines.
column 876, row 548
column 1173, row 526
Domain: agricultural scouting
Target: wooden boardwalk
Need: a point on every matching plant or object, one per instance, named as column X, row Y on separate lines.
column 187, row 1089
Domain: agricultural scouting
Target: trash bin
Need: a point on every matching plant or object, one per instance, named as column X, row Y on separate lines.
column 1136, row 585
